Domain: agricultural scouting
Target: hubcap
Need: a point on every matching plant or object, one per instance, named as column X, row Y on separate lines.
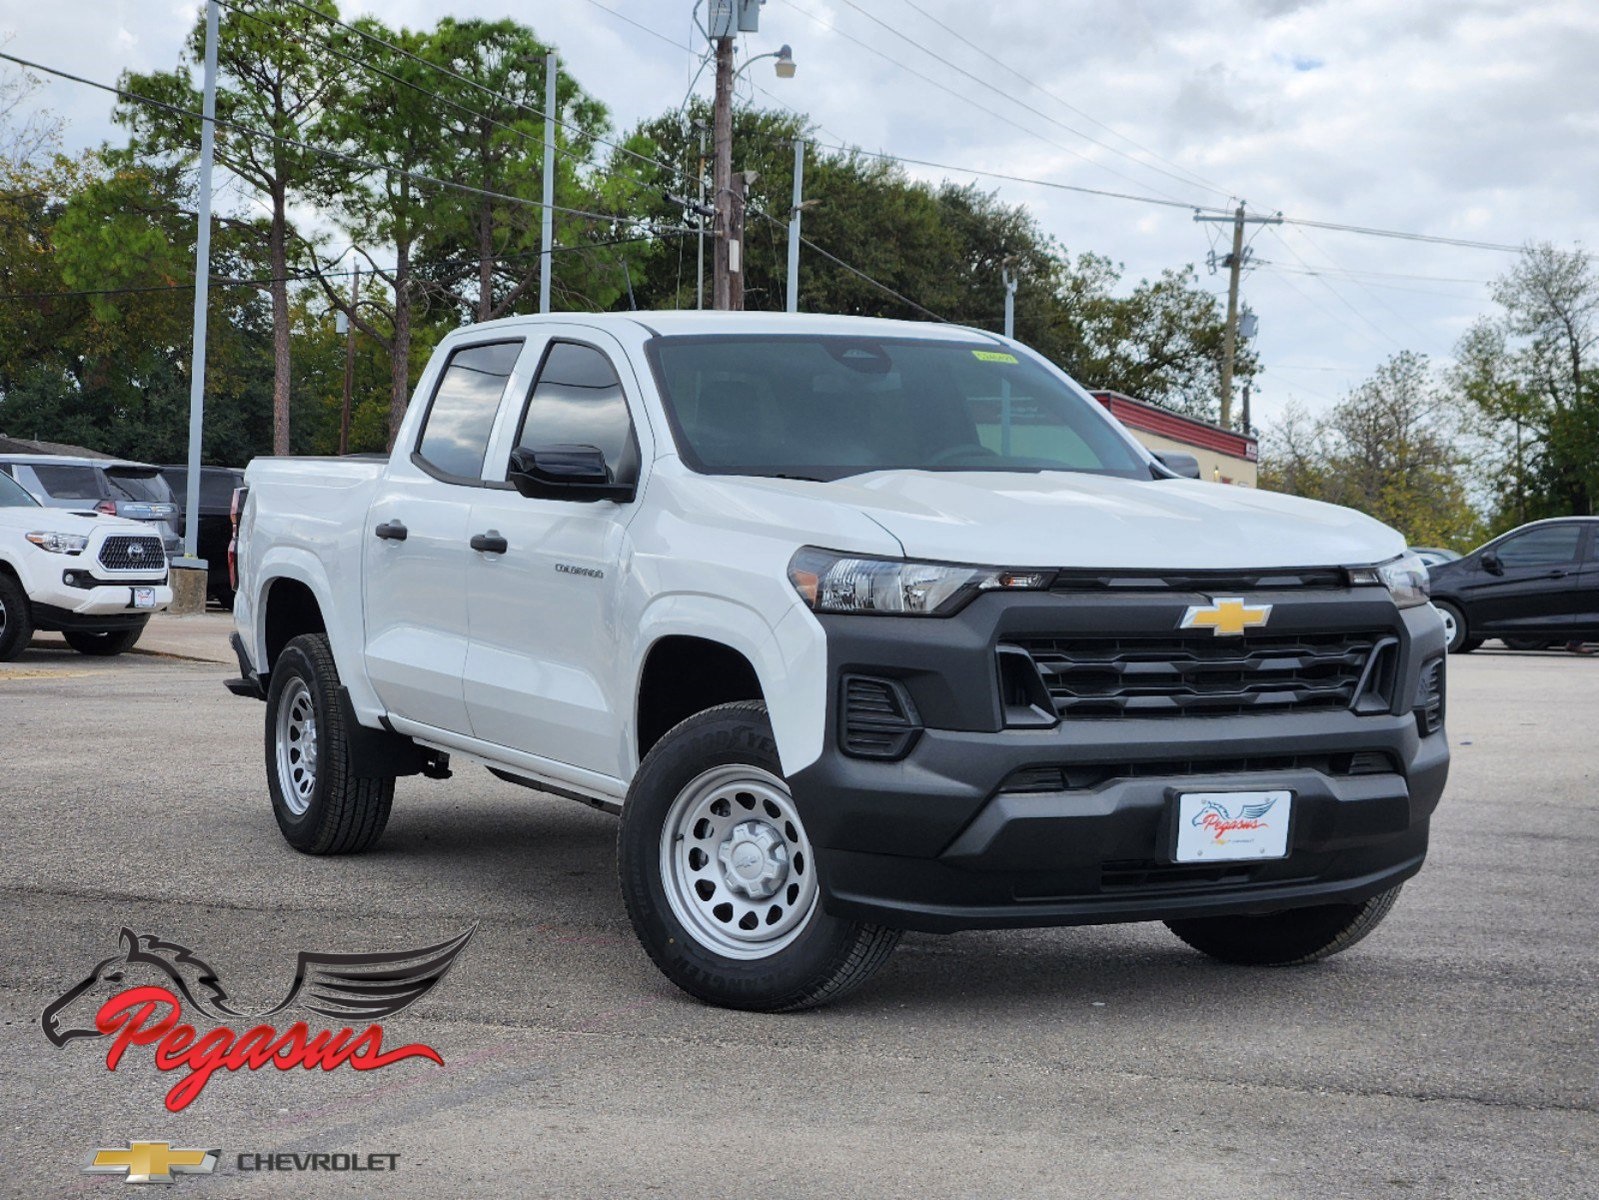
column 1449, row 624
column 296, row 742
column 736, row 864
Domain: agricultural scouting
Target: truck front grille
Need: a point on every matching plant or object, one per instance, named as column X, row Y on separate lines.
column 1171, row 675
column 131, row 552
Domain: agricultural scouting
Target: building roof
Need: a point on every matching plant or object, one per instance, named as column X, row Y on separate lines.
column 11, row 445
column 1151, row 418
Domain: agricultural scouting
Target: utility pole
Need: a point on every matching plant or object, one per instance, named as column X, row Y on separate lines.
column 725, row 252
column 1234, row 263
column 699, row 268
column 202, row 294
column 349, row 362
column 547, row 217
column 1004, row 383
column 794, row 225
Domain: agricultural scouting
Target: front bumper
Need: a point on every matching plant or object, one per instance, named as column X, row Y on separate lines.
column 967, row 830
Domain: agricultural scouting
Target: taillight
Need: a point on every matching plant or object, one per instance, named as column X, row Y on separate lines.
column 108, row 507
column 234, row 509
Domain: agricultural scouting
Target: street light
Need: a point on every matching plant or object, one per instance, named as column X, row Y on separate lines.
column 785, row 62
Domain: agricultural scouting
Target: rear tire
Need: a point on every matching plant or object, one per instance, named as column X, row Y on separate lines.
column 719, row 878
column 1527, row 643
column 1285, row 939
column 16, row 618
column 320, row 804
column 104, row 645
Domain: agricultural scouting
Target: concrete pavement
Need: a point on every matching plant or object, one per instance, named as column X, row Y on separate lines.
column 1451, row 1054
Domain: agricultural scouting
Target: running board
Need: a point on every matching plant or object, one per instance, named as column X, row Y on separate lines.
column 538, row 785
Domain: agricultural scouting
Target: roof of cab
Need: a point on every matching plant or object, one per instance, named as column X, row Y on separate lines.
column 679, row 322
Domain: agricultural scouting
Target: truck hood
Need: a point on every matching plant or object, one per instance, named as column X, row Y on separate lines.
column 60, row 520
column 1060, row 519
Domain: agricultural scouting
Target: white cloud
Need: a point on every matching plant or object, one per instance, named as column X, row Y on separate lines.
column 1468, row 117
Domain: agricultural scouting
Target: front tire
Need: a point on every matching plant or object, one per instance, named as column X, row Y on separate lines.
column 16, row 618
column 320, row 804
column 1457, row 636
column 106, row 644
column 1285, row 939
column 720, row 878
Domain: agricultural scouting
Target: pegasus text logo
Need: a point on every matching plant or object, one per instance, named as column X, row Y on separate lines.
column 1227, row 616
column 151, row 1162
column 137, row 997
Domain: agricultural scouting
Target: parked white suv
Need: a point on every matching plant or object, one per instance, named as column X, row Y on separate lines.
column 862, row 626
column 95, row 579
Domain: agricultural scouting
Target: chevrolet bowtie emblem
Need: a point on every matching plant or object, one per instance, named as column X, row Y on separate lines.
column 1228, row 616
column 151, row 1162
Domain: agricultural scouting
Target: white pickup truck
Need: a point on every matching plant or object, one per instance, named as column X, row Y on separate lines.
column 862, row 626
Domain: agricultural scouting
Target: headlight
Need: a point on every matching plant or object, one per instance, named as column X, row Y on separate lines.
column 1405, row 578
column 836, row 583
column 59, row 543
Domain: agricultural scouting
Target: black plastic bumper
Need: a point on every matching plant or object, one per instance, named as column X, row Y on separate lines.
column 64, row 620
column 948, row 839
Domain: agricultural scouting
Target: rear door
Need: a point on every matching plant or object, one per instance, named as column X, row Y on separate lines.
column 1587, row 615
column 1538, row 588
column 542, row 672
column 415, row 551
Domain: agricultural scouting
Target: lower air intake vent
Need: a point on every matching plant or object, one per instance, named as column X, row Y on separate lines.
column 879, row 720
column 1430, row 698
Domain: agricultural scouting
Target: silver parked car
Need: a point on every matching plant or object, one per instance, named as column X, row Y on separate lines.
column 112, row 486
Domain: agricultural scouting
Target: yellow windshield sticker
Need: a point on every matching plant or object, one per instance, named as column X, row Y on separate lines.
column 993, row 356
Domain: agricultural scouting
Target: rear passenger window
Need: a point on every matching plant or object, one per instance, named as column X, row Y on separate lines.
column 70, row 483
column 578, row 401
column 1549, row 546
column 455, row 435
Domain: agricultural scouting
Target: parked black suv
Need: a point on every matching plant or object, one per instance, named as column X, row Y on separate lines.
column 1532, row 586
column 216, row 521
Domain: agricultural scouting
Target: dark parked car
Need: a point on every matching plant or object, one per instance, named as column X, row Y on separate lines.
column 1533, row 586
column 216, row 521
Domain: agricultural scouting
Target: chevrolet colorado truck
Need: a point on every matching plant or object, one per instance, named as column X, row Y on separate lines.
column 861, row 626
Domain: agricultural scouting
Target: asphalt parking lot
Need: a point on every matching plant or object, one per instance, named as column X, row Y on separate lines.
column 1451, row 1055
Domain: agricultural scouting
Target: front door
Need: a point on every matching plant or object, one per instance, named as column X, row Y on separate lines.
column 542, row 672
column 414, row 544
column 1535, row 589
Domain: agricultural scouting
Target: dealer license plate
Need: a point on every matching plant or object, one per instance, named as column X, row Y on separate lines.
column 1229, row 826
column 143, row 597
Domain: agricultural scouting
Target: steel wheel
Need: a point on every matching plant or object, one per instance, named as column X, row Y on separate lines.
column 296, row 746
column 736, row 865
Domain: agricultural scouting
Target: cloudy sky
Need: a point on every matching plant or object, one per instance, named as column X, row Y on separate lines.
column 1468, row 119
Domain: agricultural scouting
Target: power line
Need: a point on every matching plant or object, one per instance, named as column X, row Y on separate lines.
column 966, row 100
column 1089, row 117
column 1038, row 112
column 325, row 151
column 1341, row 298
column 304, row 277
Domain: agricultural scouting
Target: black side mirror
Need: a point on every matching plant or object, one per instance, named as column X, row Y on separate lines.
column 1178, row 463
column 565, row 473
column 1491, row 564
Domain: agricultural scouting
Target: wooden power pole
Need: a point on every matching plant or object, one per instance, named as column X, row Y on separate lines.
column 1234, row 263
column 726, row 254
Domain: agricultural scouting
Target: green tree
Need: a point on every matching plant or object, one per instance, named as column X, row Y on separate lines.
column 276, row 76
column 1388, row 449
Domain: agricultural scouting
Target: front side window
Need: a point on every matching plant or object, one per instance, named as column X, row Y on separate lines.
column 825, row 407
column 1553, row 545
column 455, row 434
column 577, row 400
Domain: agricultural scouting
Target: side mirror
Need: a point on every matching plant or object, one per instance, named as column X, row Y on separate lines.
column 565, row 473
column 1178, row 463
column 1491, row 564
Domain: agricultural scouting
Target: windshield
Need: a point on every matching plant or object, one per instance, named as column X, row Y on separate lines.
column 824, row 407
column 14, row 495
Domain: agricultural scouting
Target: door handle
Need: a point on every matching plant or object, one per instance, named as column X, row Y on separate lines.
column 1557, row 574
column 393, row 531
column 490, row 542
